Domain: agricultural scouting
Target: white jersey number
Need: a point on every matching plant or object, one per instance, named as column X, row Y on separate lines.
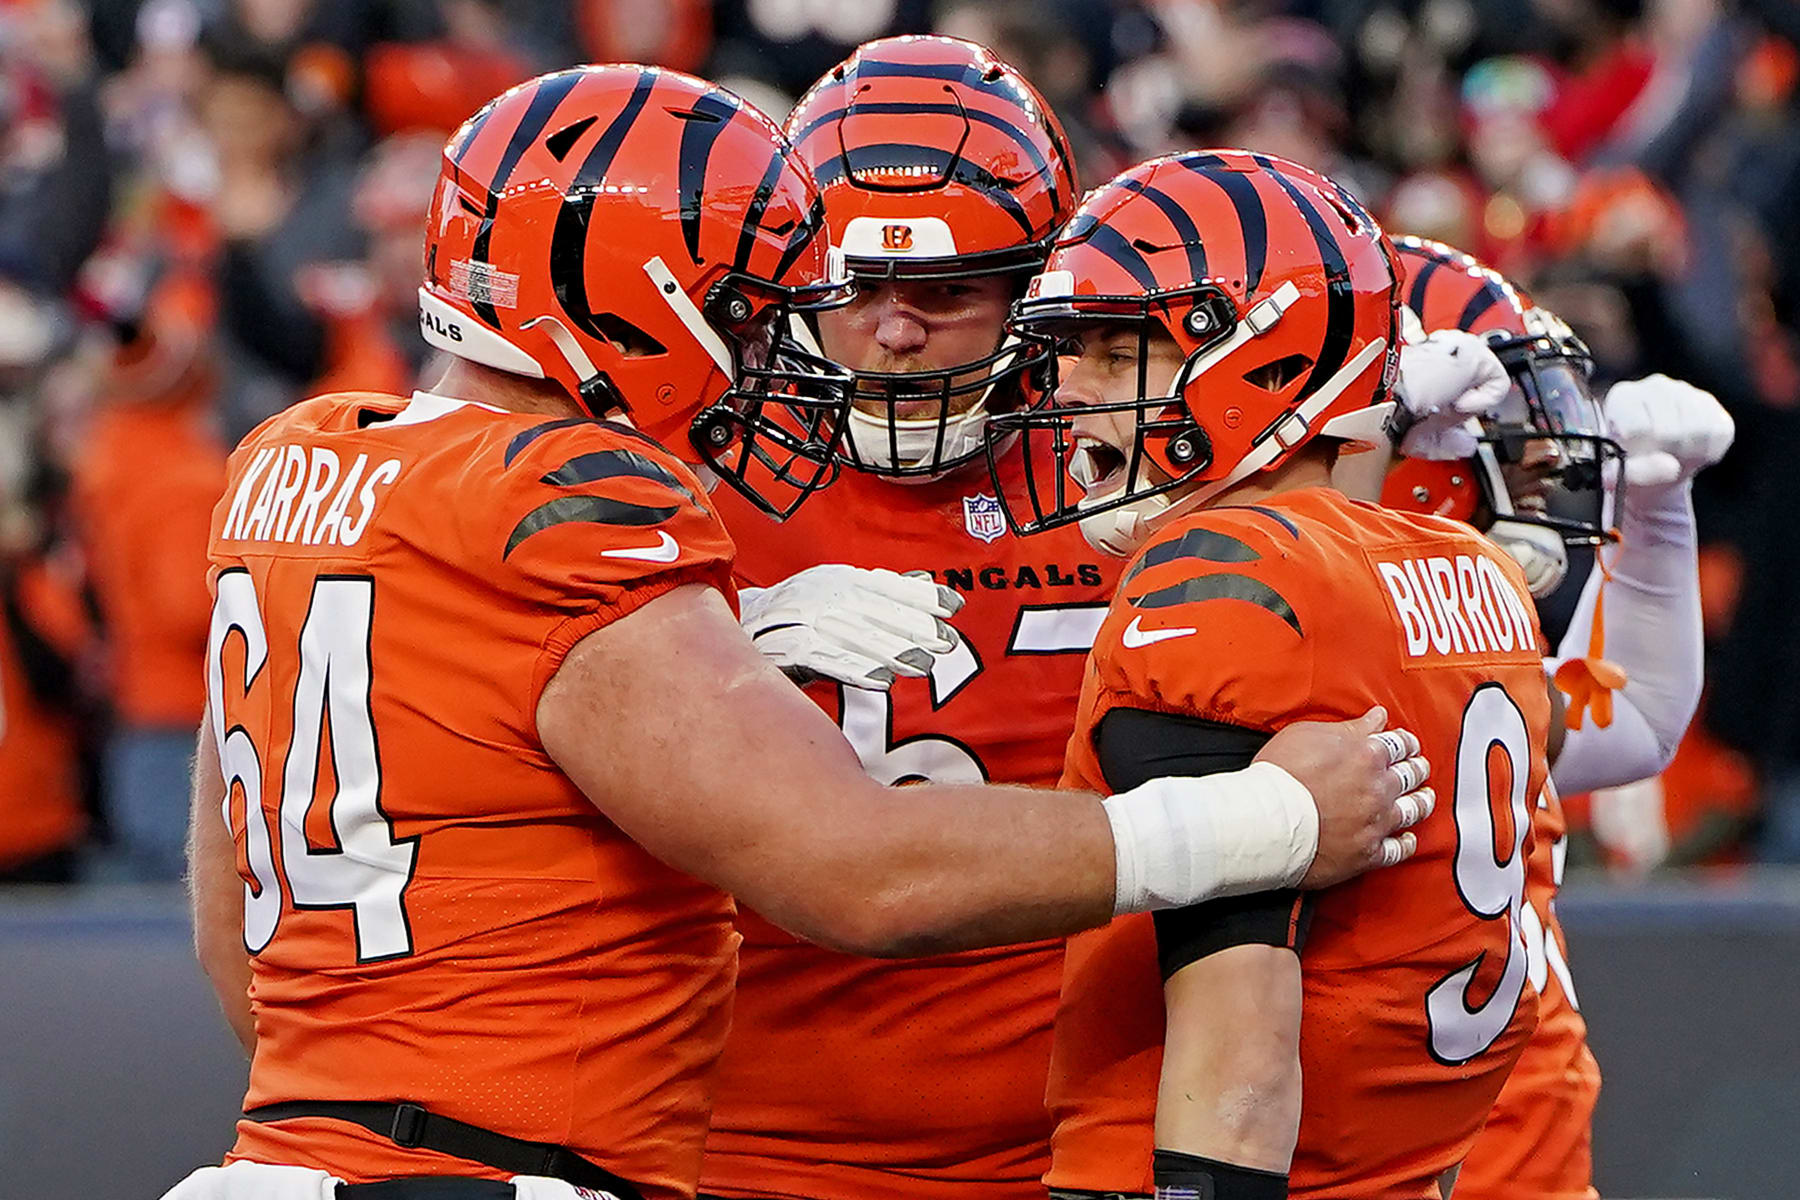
column 368, row 870
column 1491, row 886
column 868, row 717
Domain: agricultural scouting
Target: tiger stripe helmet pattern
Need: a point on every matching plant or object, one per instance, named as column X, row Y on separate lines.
column 638, row 236
column 936, row 159
column 1280, row 290
column 1551, row 404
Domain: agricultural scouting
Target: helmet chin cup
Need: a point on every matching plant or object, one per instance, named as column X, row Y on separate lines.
column 1537, row 549
column 1120, row 531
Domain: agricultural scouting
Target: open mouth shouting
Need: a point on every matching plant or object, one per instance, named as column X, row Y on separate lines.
column 1099, row 466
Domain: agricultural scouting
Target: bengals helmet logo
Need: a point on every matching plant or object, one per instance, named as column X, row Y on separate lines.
column 896, row 237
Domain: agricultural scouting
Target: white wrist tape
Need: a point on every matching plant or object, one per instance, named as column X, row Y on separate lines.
column 1179, row 841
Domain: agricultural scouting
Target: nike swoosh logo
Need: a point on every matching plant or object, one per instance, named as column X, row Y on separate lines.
column 665, row 551
column 1136, row 636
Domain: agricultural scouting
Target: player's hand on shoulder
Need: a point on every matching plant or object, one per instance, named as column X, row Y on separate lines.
column 1368, row 782
column 854, row 625
column 1447, row 378
column 1670, row 430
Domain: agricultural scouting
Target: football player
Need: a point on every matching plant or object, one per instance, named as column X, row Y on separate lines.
column 1532, row 473
column 944, row 176
column 1227, row 323
column 486, row 747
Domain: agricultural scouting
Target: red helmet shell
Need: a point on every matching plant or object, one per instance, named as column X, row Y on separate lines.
column 1214, row 238
column 934, row 157
column 619, row 205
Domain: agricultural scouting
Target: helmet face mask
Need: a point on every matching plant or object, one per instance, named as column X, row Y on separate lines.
column 1167, row 451
column 1274, row 293
column 1544, row 459
column 640, row 238
column 773, row 434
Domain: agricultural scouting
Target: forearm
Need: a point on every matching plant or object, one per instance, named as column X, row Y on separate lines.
column 1231, row 1087
column 1653, row 632
column 216, row 895
column 936, row 869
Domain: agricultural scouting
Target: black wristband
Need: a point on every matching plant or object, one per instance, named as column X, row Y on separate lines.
column 1189, row 1177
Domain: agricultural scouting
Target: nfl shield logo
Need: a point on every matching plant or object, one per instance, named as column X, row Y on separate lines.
column 982, row 517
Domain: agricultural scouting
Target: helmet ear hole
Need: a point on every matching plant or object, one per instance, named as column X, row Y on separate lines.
column 627, row 338
column 1274, row 376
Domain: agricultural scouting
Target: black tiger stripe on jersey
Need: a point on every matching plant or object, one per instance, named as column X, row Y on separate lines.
column 1340, row 296
column 568, row 238
column 597, row 510
column 612, row 464
column 1226, row 585
column 1247, row 202
column 1208, row 545
column 544, row 102
column 521, row 440
column 705, row 122
column 1185, row 230
column 1273, row 516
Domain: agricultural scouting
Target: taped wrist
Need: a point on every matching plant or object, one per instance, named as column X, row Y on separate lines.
column 1179, row 841
column 1190, row 1177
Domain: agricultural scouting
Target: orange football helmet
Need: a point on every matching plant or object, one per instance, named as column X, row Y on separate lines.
column 1550, row 419
column 640, row 237
column 937, row 161
column 1279, row 289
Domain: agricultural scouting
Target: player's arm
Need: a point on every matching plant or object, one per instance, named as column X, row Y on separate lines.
column 1228, row 1104
column 1670, row 431
column 217, row 894
column 689, row 740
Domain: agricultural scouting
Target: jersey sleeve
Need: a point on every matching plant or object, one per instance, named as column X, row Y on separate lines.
column 1214, row 620
column 592, row 521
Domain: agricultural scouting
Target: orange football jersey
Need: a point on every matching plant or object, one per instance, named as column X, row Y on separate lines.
column 1417, row 1001
column 436, row 913
column 855, row 1079
column 1538, row 1142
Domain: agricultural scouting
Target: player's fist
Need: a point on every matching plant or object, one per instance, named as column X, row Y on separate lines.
column 1368, row 782
column 1670, row 430
column 853, row 625
column 1447, row 379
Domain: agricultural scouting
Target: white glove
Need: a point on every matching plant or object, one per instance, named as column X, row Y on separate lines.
column 1446, row 380
column 854, row 625
column 1670, row 430
column 1633, row 823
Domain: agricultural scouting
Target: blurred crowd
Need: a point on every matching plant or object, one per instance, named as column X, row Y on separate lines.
column 211, row 208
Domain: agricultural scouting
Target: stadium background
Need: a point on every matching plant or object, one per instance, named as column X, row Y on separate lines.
column 210, row 208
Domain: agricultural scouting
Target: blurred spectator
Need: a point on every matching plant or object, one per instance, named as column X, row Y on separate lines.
column 370, row 307
column 148, row 473
column 43, row 636
column 1635, row 163
column 54, row 169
